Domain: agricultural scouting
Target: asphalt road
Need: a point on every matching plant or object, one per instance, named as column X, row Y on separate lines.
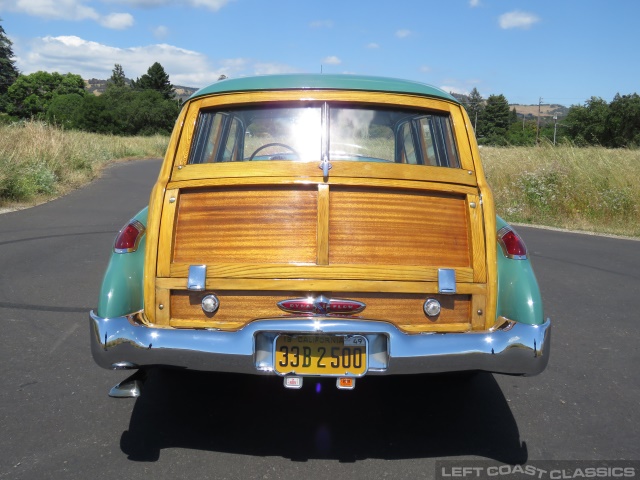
column 57, row 422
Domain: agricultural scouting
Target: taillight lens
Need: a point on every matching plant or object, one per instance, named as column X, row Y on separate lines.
column 512, row 245
column 129, row 237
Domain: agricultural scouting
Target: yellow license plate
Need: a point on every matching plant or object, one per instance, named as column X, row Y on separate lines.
column 334, row 355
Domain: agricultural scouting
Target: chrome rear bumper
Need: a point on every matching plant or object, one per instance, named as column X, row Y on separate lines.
column 515, row 348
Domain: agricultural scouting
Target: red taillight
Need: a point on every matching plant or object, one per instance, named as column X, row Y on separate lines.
column 512, row 245
column 129, row 237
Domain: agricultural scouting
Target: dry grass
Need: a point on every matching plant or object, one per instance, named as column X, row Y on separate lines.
column 592, row 189
column 38, row 162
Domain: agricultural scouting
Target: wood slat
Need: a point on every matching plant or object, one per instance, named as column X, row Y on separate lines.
column 476, row 232
column 237, row 308
column 247, row 225
column 323, row 225
column 342, row 272
column 314, row 285
column 386, row 227
column 339, row 170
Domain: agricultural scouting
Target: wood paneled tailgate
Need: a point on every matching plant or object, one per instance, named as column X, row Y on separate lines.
column 265, row 243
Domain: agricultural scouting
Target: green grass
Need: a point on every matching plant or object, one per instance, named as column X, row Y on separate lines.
column 39, row 162
column 592, row 189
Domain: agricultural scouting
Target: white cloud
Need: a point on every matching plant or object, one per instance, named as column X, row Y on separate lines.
column 214, row 5
column 160, row 31
column 373, row 45
column 332, row 60
column 454, row 89
column 272, row 68
column 117, row 21
column 517, row 19
column 52, row 9
column 425, row 69
column 75, row 10
column 321, row 24
column 403, row 33
column 474, row 3
column 94, row 60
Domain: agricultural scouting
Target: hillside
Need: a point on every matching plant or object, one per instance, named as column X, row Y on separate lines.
column 530, row 112
column 97, row 87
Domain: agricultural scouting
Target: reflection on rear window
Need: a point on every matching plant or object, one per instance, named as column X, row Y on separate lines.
column 312, row 132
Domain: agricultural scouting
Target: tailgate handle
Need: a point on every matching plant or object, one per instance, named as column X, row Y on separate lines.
column 446, row 281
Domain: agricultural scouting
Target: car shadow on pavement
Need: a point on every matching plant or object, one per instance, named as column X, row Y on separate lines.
column 417, row 416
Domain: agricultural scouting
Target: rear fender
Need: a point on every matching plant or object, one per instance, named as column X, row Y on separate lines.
column 122, row 290
column 519, row 296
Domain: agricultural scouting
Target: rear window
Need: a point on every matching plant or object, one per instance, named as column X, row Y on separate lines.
column 313, row 132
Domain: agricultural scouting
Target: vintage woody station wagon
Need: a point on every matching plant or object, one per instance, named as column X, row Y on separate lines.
column 320, row 225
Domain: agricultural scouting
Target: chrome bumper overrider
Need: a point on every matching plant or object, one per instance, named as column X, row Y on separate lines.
column 514, row 348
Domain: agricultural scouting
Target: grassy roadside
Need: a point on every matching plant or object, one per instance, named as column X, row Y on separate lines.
column 590, row 189
column 38, row 162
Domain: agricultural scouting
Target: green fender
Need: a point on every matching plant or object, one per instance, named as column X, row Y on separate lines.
column 122, row 290
column 519, row 296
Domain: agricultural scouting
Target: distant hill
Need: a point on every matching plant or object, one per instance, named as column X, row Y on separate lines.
column 530, row 112
column 97, row 87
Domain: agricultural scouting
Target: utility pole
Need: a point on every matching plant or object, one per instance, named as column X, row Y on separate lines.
column 538, row 126
column 555, row 128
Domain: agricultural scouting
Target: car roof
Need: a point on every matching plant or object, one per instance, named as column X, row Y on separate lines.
column 323, row 81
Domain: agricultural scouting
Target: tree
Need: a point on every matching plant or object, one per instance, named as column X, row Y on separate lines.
column 63, row 110
column 30, row 95
column 496, row 118
column 622, row 126
column 155, row 79
column 126, row 111
column 117, row 77
column 8, row 70
column 475, row 108
column 586, row 123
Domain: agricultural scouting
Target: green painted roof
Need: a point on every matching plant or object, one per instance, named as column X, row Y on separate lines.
column 322, row 81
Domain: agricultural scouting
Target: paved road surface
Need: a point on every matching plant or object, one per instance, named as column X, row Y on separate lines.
column 57, row 422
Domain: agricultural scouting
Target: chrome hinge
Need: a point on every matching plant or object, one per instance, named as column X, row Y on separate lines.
column 197, row 280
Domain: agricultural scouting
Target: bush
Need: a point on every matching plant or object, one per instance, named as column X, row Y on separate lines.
column 38, row 160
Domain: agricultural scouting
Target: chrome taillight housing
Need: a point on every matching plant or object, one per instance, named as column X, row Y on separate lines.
column 129, row 237
column 512, row 244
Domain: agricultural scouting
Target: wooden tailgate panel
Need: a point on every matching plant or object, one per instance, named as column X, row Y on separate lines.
column 264, row 234
column 247, row 225
column 387, row 227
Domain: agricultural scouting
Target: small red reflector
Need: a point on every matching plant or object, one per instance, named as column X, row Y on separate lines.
column 512, row 244
column 129, row 237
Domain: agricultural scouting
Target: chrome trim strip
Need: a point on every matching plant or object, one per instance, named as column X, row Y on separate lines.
column 519, row 349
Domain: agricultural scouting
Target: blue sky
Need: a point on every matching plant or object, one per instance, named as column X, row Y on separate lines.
column 564, row 51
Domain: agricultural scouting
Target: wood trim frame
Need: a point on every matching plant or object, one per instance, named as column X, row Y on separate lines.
column 176, row 174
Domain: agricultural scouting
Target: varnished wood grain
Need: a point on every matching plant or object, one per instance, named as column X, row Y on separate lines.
column 409, row 220
column 256, row 225
column 386, row 227
column 323, row 225
column 315, row 285
column 237, row 308
column 407, row 273
column 340, row 169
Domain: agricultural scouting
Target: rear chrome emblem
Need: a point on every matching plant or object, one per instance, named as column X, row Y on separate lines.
column 321, row 306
